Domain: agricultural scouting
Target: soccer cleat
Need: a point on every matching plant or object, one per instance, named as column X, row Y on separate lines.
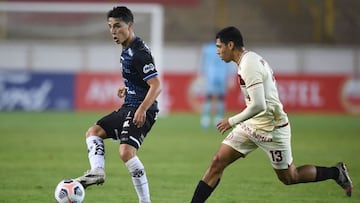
column 92, row 177
column 344, row 179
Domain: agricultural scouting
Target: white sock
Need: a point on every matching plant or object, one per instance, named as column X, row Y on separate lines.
column 96, row 152
column 138, row 175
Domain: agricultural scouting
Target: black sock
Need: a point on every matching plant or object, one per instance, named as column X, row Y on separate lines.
column 325, row 173
column 202, row 192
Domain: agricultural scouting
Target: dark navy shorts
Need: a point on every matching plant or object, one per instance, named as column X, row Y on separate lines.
column 118, row 125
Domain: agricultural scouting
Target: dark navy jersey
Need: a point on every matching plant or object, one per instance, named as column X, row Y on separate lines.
column 137, row 67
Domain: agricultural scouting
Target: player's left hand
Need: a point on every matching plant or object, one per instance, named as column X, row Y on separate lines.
column 223, row 125
column 139, row 118
column 121, row 91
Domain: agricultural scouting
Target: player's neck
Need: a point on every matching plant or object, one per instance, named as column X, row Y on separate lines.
column 129, row 40
column 239, row 55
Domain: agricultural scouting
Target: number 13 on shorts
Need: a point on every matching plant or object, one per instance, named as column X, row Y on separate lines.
column 280, row 159
column 276, row 156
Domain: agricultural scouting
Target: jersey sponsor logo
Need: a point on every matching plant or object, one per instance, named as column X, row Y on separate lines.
column 253, row 134
column 148, row 67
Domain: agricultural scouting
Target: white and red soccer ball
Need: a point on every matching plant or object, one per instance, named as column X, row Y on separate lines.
column 69, row 191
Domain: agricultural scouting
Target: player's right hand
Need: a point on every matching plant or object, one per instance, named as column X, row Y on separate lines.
column 223, row 125
column 121, row 91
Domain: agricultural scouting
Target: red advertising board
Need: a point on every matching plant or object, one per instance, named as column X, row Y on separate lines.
column 97, row 91
column 298, row 93
column 183, row 92
column 301, row 93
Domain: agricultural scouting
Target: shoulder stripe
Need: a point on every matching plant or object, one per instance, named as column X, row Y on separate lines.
column 150, row 76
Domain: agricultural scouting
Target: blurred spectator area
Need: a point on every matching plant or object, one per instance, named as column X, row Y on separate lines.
column 297, row 36
column 312, row 44
column 269, row 21
column 196, row 21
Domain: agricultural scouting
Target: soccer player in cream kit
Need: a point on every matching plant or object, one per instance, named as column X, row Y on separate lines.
column 262, row 124
column 131, row 123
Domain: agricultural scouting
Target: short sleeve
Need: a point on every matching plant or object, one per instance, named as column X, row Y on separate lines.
column 144, row 64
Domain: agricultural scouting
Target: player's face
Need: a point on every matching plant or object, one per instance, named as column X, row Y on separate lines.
column 223, row 51
column 120, row 31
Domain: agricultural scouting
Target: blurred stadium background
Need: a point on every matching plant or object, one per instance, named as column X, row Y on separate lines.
column 58, row 55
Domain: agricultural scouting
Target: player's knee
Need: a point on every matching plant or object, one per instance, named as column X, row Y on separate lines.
column 217, row 164
column 125, row 156
column 126, row 152
column 95, row 130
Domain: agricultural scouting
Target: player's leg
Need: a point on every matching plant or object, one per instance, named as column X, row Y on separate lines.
column 312, row 173
column 206, row 112
column 220, row 91
column 220, row 108
column 106, row 127
column 136, row 170
column 279, row 152
column 222, row 158
column 208, row 105
column 234, row 146
column 96, row 148
column 305, row 173
column 131, row 139
column 96, row 154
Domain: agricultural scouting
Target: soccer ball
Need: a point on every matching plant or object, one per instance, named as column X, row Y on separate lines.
column 69, row 191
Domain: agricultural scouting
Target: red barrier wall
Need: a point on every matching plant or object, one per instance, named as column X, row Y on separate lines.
column 298, row 93
column 182, row 92
column 97, row 91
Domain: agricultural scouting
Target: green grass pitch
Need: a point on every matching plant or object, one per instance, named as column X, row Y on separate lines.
column 37, row 150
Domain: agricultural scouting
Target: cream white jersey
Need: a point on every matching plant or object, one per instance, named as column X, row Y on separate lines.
column 252, row 71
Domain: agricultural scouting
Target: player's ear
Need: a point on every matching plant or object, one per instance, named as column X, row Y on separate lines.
column 130, row 25
column 231, row 45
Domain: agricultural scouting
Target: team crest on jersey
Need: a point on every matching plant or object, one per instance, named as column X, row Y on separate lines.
column 148, row 67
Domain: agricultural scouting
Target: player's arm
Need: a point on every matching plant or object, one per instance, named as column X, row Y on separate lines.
column 152, row 94
column 144, row 64
column 257, row 105
column 253, row 77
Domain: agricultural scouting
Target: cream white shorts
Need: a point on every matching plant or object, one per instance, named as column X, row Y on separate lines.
column 276, row 144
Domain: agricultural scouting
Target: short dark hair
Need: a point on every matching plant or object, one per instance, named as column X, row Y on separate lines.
column 231, row 34
column 121, row 12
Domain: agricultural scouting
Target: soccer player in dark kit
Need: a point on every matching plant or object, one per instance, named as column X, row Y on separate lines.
column 131, row 123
